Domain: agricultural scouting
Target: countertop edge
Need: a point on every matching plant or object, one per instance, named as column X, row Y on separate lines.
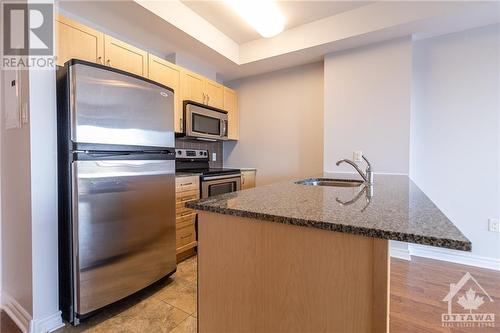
column 452, row 244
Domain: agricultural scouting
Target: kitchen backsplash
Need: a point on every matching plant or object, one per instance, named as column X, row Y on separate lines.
column 212, row 147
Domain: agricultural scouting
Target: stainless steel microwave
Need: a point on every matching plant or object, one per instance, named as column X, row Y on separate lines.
column 204, row 122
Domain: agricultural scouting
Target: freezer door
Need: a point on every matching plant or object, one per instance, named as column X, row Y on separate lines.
column 109, row 107
column 123, row 228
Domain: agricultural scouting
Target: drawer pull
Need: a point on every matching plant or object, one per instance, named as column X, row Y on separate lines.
column 187, row 236
column 186, row 184
column 185, row 214
column 184, row 200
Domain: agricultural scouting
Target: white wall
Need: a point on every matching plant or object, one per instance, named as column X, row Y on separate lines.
column 43, row 141
column 367, row 106
column 16, row 213
column 455, row 150
column 281, row 124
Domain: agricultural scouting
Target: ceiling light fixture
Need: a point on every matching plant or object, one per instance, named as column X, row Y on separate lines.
column 263, row 15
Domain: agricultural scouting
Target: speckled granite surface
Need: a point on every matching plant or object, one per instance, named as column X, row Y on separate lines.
column 397, row 210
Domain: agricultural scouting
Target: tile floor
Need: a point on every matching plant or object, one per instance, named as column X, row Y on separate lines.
column 169, row 306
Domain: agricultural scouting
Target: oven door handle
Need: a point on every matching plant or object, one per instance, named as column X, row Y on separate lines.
column 221, row 177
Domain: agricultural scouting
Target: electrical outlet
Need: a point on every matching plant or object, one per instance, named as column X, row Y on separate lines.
column 494, row 225
column 214, row 157
column 357, row 156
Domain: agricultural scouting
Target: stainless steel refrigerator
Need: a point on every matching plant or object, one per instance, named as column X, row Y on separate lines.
column 116, row 166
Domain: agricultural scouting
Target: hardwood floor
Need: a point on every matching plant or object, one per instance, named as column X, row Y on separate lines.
column 417, row 291
column 7, row 325
column 419, row 286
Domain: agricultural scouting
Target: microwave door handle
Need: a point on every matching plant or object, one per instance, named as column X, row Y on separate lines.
column 224, row 128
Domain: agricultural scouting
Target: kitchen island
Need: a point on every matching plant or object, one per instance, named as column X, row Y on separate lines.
column 291, row 257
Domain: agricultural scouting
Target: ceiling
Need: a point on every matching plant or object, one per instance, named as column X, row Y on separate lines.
column 296, row 13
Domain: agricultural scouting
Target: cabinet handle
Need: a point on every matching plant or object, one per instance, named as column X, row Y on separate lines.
column 181, row 125
column 99, row 60
column 108, row 62
column 242, row 179
column 186, row 184
column 208, row 98
column 186, row 236
column 185, row 214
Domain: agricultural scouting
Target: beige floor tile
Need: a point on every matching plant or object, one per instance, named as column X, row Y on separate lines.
column 181, row 294
column 154, row 310
column 189, row 325
column 115, row 324
column 187, row 270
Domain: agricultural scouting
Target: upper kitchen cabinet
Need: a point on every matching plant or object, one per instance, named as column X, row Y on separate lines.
column 168, row 74
column 195, row 87
column 124, row 56
column 214, row 94
column 231, row 106
column 192, row 87
column 74, row 40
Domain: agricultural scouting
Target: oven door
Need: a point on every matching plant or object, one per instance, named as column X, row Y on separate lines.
column 205, row 123
column 215, row 185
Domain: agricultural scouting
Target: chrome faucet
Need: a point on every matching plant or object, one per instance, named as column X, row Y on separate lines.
column 367, row 175
column 367, row 189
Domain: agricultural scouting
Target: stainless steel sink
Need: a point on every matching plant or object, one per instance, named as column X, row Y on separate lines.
column 331, row 182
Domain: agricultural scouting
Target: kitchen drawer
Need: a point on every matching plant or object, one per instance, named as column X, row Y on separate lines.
column 181, row 198
column 185, row 221
column 183, row 184
column 185, row 235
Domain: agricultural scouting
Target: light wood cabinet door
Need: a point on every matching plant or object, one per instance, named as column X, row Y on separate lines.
column 74, row 40
column 248, row 178
column 231, row 106
column 168, row 74
column 214, row 94
column 124, row 56
column 192, row 87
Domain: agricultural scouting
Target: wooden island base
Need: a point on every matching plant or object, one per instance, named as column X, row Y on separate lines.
column 261, row 276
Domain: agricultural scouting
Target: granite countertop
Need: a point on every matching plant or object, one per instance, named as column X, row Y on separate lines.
column 397, row 210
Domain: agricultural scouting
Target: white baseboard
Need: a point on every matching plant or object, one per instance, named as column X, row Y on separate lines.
column 400, row 253
column 16, row 312
column 25, row 322
column 459, row 257
column 47, row 324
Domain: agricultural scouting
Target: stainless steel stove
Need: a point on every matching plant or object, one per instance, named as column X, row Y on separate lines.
column 213, row 181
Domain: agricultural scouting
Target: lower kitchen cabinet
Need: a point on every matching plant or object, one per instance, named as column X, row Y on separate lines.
column 248, row 178
column 187, row 188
